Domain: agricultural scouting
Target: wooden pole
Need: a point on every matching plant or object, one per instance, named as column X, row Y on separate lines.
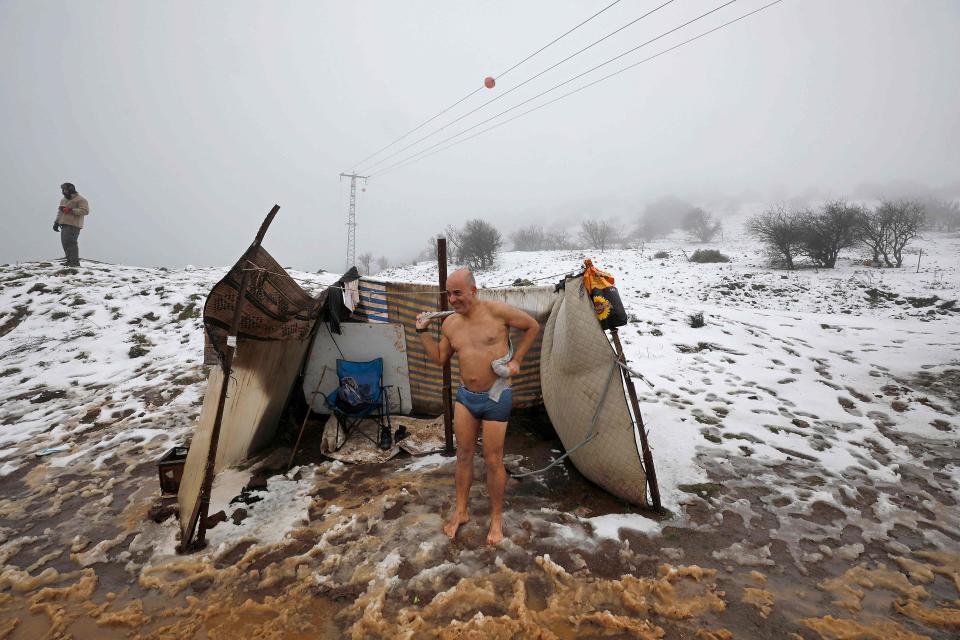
column 651, row 471
column 208, row 473
column 306, row 417
column 918, row 260
column 447, row 383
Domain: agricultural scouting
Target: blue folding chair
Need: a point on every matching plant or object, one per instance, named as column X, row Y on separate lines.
column 360, row 395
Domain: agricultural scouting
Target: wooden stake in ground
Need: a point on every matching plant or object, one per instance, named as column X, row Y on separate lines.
column 650, row 470
column 313, row 397
column 447, row 384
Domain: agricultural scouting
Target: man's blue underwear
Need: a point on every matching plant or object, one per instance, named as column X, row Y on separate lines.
column 482, row 407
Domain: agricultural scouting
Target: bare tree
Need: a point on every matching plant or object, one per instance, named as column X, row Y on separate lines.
column 875, row 234
column 477, row 244
column 779, row 231
column 701, row 226
column 532, row 238
column 826, row 232
column 430, row 251
column 597, row 234
column 558, row 238
column 942, row 215
column 661, row 217
column 904, row 220
column 382, row 263
column 454, row 238
column 364, row 260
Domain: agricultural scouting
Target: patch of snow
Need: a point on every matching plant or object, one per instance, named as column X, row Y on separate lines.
column 608, row 526
column 427, row 461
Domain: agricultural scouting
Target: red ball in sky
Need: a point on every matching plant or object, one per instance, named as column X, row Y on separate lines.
column 489, row 82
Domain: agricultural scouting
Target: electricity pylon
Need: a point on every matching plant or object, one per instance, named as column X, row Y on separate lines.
column 352, row 218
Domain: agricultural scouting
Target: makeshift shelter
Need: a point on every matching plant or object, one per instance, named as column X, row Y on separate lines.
column 387, row 314
column 284, row 334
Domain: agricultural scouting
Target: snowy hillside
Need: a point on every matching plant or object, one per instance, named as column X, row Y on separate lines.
column 806, row 441
column 101, row 360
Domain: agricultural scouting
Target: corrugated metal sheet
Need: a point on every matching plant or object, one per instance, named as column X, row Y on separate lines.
column 263, row 372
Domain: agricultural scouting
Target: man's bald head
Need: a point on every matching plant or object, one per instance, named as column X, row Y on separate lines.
column 461, row 290
column 463, row 277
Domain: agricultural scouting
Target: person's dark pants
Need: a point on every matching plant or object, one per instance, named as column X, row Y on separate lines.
column 69, row 235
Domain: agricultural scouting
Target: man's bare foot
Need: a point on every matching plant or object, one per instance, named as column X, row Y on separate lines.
column 495, row 536
column 456, row 520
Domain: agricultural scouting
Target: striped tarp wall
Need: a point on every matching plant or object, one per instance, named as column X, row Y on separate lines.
column 373, row 302
column 405, row 301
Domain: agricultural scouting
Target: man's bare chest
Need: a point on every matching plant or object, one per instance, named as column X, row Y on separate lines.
column 483, row 335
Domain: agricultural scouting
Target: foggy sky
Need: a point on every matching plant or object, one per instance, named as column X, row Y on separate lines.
column 184, row 122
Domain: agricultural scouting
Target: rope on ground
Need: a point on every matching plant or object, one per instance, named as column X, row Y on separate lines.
column 590, row 434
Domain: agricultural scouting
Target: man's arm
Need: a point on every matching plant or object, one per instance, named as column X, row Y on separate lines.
column 522, row 320
column 439, row 353
column 81, row 208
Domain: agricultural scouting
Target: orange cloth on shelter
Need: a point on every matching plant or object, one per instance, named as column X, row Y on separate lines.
column 593, row 278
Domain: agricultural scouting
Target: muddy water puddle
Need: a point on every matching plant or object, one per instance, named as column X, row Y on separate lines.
column 363, row 556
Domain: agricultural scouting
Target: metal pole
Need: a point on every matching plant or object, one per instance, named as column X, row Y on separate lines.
column 204, row 506
column 651, row 471
column 918, row 260
column 447, row 383
column 352, row 225
column 352, row 219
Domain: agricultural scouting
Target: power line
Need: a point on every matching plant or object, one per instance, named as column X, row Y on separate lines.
column 419, row 126
column 413, row 159
column 557, row 86
column 555, row 40
column 512, row 89
column 469, row 95
column 421, row 153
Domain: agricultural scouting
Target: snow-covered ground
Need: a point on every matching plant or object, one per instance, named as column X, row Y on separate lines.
column 100, row 360
column 805, row 440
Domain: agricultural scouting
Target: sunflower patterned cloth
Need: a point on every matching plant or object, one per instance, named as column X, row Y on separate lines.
column 606, row 300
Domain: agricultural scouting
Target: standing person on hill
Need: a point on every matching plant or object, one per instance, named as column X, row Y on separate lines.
column 73, row 208
column 478, row 332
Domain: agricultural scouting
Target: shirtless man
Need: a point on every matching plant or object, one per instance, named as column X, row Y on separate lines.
column 478, row 331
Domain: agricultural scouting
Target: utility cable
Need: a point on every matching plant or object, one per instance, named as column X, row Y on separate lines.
column 512, row 89
column 555, row 40
column 568, row 274
column 557, row 86
column 414, row 158
column 303, row 282
column 480, row 88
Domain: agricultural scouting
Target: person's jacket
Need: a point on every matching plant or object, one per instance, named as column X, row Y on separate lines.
column 78, row 207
